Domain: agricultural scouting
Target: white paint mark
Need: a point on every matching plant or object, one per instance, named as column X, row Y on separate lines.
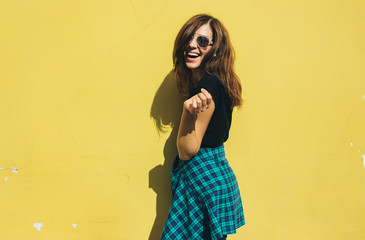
column 75, row 225
column 6, row 179
column 14, row 170
column 363, row 98
column 358, row 150
column 351, row 144
column 363, row 160
column 1, row 168
column 38, row 226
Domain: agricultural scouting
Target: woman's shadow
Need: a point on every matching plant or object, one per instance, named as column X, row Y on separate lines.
column 166, row 112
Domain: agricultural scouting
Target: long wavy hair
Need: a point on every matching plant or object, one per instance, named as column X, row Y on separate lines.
column 219, row 61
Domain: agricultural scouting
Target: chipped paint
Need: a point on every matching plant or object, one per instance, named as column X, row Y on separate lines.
column 1, row 168
column 351, row 144
column 363, row 98
column 14, row 170
column 363, row 160
column 75, row 225
column 38, row 226
column 6, row 179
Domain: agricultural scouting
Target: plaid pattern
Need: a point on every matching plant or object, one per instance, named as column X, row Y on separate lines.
column 206, row 202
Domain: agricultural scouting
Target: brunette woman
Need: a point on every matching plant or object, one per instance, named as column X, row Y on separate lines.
column 206, row 199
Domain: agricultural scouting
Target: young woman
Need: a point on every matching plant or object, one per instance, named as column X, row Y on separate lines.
column 206, row 198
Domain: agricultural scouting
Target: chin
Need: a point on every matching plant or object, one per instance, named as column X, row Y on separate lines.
column 192, row 66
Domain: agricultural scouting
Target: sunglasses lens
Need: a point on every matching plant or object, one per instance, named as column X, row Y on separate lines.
column 202, row 41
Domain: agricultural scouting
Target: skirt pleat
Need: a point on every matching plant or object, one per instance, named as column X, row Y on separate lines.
column 206, row 201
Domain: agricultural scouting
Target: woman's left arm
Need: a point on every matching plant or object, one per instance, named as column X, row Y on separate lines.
column 196, row 116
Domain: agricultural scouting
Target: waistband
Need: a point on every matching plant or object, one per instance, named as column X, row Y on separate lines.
column 212, row 152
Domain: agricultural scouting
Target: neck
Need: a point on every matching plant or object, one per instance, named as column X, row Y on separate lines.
column 198, row 74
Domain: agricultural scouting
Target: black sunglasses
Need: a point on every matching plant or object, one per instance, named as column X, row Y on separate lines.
column 203, row 41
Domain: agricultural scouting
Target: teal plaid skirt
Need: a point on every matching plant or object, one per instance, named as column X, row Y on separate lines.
column 206, row 201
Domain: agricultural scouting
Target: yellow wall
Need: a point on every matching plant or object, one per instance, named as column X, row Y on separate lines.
column 88, row 116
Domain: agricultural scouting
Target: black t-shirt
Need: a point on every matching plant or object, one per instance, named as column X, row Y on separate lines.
column 220, row 123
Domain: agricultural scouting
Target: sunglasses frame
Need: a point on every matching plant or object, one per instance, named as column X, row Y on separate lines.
column 197, row 36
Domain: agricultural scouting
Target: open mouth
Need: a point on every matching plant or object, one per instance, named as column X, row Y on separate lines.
column 193, row 55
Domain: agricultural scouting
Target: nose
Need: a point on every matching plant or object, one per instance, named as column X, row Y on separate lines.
column 193, row 43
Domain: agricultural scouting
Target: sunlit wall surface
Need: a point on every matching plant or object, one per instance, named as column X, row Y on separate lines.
column 89, row 115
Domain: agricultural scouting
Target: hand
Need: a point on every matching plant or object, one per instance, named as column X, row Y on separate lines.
column 199, row 102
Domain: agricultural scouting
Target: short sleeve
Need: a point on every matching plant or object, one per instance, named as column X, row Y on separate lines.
column 212, row 85
column 218, row 128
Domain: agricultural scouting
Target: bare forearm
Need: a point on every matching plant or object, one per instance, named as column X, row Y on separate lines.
column 194, row 121
column 187, row 142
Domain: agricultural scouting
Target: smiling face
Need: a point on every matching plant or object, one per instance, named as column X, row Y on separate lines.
column 194, row 54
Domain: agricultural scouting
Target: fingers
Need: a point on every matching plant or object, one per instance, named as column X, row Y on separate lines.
column 203, row 100
column 193, row 105
column 208, row 97
column 194, row 102
column 199, row 102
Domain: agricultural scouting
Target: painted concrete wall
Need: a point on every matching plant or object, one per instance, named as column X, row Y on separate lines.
column 88, row 117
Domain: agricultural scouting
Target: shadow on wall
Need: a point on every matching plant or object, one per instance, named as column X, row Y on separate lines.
column 166, row 112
